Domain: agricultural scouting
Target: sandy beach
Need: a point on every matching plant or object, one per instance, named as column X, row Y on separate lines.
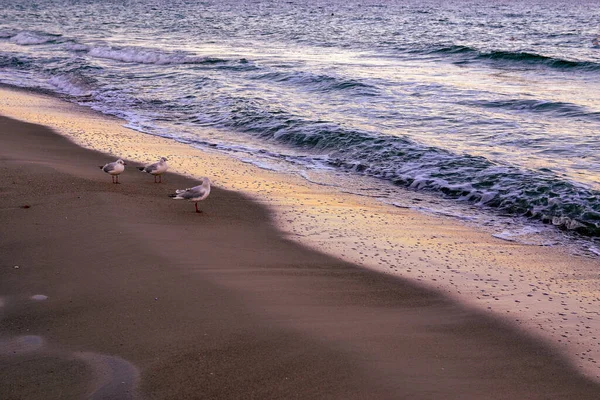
column 116, row 291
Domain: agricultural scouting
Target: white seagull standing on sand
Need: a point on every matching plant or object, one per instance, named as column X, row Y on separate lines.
column 195, row 194
column 156, row 169
column 114, row 169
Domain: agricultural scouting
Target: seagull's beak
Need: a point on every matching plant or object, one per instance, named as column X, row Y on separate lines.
column 124, row 163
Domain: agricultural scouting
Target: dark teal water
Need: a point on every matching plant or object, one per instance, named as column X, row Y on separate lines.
column 493, row 104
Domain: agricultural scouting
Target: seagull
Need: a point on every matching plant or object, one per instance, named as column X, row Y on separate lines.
column 195, row 194
column 114, row 169
column 156, row 169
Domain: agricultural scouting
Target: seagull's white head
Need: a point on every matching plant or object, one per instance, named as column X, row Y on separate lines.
column 119, row 161
column 163, row 159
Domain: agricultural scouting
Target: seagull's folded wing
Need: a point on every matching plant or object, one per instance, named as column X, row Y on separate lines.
column 151, row 168
column 109, row 167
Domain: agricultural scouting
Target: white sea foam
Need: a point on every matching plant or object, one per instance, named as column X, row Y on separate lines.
column 418, row 183
column 67, row 85
column 568, row 223
column 115, row 377
column 143, row 56
column 71, row 46
column 30, row 38
column 505, row 235
column 594, row 250
column 21, row 344
column 487, row 197
column 441, row 212
column 527, row 235
column 259, row 164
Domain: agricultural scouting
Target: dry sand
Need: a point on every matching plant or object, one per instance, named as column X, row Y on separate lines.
column 146, row 299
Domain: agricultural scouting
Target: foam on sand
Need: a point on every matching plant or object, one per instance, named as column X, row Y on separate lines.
column 114, row 377
column 21, row 344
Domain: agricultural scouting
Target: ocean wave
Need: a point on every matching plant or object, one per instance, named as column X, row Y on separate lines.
column 539, row 195
column 535, row 194
column 533, row 58
column 149, row 56
column 455, row 49
column 27, row 38
column 468, row 54
column 73, row 46
column 318, row 82
column 70, row 84
column 6, row 34
column 556, row 108
column 12, row 61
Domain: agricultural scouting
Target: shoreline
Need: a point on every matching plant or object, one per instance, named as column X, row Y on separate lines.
column 295, row 215
column 546, row 291
column 219, row 303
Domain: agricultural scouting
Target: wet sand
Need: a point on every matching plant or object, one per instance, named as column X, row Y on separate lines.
column 147, row 299
column 549, row 291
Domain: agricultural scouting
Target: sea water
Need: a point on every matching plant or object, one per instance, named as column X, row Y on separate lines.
column 491, row 107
